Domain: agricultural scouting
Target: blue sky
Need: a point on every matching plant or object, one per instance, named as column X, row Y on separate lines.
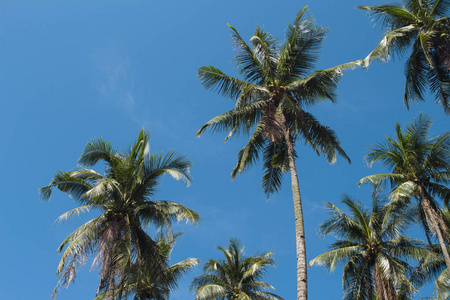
column 74, row 70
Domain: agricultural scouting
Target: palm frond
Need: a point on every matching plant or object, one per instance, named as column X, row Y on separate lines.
column 233, row 120
column 416, row 68
column 319, row 86
column 266, row 49
column 300, row 51
column 398, row 39
column 321, row 138
column 247, row 62
column 250, row 153
column 66, row 182
column 214, row 79
column 275, row 164
column 96, row 150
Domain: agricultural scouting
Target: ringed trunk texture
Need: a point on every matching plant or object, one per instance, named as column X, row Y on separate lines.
column 435, row 221
column 302, row 291
column 384, row 287
column 111, row 285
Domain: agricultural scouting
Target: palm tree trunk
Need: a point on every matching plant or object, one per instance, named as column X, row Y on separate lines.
column 443, row 247
column 302, row 291
column 383, row 286
column 435, row 221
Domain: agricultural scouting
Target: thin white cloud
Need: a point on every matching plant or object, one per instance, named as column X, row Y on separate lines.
column 115, row 81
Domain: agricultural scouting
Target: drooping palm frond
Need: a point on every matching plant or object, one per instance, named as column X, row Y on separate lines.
column 275, row 164
column 424, row 26
column 146, row 281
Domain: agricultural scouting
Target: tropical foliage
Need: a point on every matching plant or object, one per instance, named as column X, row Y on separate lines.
column 420, row 168
column 424, row 24
column 123, row 197
column 235, row 277
column 273, row 92
column 148, row 281
column 371, row 248
column 432, row 267
column 270, row 107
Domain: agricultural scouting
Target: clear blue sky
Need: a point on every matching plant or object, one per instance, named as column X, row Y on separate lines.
column 74, row 70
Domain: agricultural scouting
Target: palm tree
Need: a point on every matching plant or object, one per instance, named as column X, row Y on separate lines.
column 420, row 169
column 235, row 277
column 425, row 25
column 432, row 267
column 270, row 107
column 147, row 281
column 371, row 248
column 123, row 197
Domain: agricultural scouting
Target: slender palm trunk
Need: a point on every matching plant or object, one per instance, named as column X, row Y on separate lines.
column 435, row 221
column 111, row 285
column 302, row 291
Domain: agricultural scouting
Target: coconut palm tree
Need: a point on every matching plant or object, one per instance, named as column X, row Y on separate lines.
column 278, row 85
column 424, row 24
column 371, row 248
column 145, row 281
column 420, row 169
column 432, row 267
column 123, row 197
column 235, row 277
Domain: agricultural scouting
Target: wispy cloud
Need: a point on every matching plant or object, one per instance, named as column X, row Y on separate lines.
column 115, row 80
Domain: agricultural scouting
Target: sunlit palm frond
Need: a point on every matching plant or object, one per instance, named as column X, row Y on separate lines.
column 266, row 49
column 319, row 86
column 72, row 185
column 425, row 26
column 165, row 212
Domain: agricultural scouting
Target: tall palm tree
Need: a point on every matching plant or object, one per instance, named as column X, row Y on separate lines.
column 420, row 169
column 235, row 277
column 124, row 198
column 371, row 248
column 424, row 24
column 279, row 84
column 145, row 280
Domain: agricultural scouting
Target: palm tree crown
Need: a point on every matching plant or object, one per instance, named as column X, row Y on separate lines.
column 420, row 169
column 235, row 277
column 278, row 85
column 370, row 246
column 124, row 198
column 424, row 25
